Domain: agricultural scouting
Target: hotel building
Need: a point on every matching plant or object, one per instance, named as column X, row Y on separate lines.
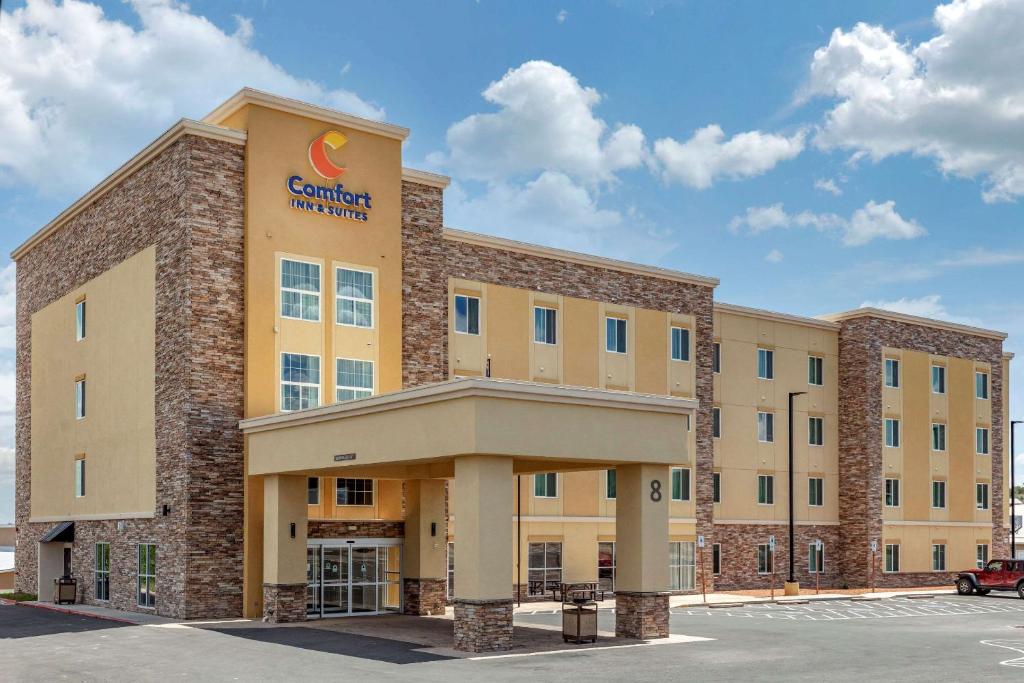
column 257, row 375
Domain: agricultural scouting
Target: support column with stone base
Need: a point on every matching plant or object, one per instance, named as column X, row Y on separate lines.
column 424, row 558
column 483, row 553
column 284, row 548
column 641, row 540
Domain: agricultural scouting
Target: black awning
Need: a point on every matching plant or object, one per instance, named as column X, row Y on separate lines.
column 62, row 533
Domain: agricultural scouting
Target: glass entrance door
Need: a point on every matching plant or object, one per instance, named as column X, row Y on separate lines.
column 335, row 583
column 350, row 579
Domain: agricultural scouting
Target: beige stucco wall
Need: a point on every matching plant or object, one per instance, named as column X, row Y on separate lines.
column 117, row 435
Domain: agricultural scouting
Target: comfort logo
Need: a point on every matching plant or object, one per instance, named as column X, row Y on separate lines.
column 318, row 158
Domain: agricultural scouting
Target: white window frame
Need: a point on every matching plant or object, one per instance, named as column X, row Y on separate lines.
column 682, row 575
column 892, row 436
column 359, row 392
column 548, row 478
column 981, row 552
column 816, row 370
column 941, row 377
column 80, row 398
column 548, row 319
column 301, row 292
column 545, row 569
column 455, row 317
column 982, row 442
column 820, row 491
column 891, row 372
column 716, row 358
column 938, row 437
column 716, row 487
column 685, row 492
column 815, row 558
column 609, row 475
column 451, row 568
column 820, row 421
column 716, row 551
column 769, row 363
column 608, row 339
column 80, row 319
column 101, row 572
column 982, row 502
column 892, row 492
column 611, row 567
column 284, row 383
column 716, row 422
column 983, row 376
column 310, row 489
column 767, row 435
column 150, row 600
column 939, row 552
column 360, row 490
column 939, row 485
column 684, row 343
column 339, row 297
column 769, row 489
column 890, row 559
column 764, row 552
column 80, row 477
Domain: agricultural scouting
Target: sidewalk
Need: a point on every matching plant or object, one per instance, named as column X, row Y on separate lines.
column 137, row 618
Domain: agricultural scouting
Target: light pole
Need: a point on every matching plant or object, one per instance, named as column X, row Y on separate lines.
column 1013, row 492
column 792, row 527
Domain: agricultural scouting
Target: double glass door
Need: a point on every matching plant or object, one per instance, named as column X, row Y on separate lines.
column 349, row 579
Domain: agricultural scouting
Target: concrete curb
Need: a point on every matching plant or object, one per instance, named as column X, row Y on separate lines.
column 77, row 613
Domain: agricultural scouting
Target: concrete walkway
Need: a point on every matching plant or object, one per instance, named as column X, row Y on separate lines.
column 139, row 618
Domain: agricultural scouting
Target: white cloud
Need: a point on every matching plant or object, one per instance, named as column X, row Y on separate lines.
column 827, row 185
column 555, row 211
column 957, row 98
column 6, row 485
column 708, row 156
column 545, row 122
column 7, row 306
column 928, row 306
column 872, row 221
column 981, row 257
column 85, row 90
column 562, row 16
column 773, row 256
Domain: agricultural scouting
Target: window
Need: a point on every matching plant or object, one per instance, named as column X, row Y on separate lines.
column 892, row 557
column 147, row 575
column 451, row 570
column 80, row 320
column 765, row 427
column 938, row 437
column 300, row 381
column 815, row 370
column 682, row 569
column 815, row 491
column 765, row 364
column 353, row 297
column 892, row 432
column 892, row 493
column 765, row 489
column 680, row 483
column 79, row 477
column 938, row 494
column 544, row 567
column 545, row 325
column 981, row 495
column 982, row 555
column 615, row 335
column 716, row 487
column 764, row 559
column 892, row 373
column 716, row 558
column 680, row 343
column 816, row 431
column 981, row 440
column 80, row 398
column 545, row 485
column 313, row 490
column 354, row 379
column 300, row 290
column 981, row 385
column 716, row 357
column 938, row 557
column 938, row 379
column 101, row 574
column 609, row 484
column 355, row 492
column 467, row 314
column 815, row 558
column 606, row 564
column 716, row 422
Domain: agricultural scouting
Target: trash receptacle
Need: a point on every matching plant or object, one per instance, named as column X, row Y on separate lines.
column 579, row 621
column 65, row 590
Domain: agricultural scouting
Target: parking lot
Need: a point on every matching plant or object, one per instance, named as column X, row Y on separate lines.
column 944, row 638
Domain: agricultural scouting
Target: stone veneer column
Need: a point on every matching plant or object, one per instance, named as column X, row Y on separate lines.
column 641, row 532
column 483, row 553
column 424, row 558
column 284, row 548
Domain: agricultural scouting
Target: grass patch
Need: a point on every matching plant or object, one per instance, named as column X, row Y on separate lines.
column 19, row 597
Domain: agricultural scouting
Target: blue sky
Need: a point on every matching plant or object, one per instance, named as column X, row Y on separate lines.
column 815, row 156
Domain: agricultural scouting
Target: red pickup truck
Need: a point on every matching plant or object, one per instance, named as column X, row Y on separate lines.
column 997, row 575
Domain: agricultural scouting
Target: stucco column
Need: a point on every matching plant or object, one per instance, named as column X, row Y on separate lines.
column 641, row 550
column 483, row 553
column 424, row 558
column 284, row 548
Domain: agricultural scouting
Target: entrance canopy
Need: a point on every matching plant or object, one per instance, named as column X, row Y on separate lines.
column 417, row 433
column 62, row 533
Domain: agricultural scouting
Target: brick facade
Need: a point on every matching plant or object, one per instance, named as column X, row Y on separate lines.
column 424, row 596
column 483, row 625
column 284, row 603
column 185, row 202
column 641, row 615
column 356, row 528
column 739, row 556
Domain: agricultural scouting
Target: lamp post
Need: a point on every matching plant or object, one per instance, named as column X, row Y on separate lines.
column 792, row 527
column 1013, row 492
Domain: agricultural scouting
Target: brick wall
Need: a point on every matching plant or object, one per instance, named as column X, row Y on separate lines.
column 187, row 202
column 739, row 555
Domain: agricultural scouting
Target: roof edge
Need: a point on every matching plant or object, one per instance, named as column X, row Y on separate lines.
column 775, row 316
column 506, row 244
column 413, row 175
column 871, row 312
column 171, row 135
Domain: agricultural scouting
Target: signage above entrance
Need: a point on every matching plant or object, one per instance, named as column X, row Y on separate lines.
column 325, row 199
